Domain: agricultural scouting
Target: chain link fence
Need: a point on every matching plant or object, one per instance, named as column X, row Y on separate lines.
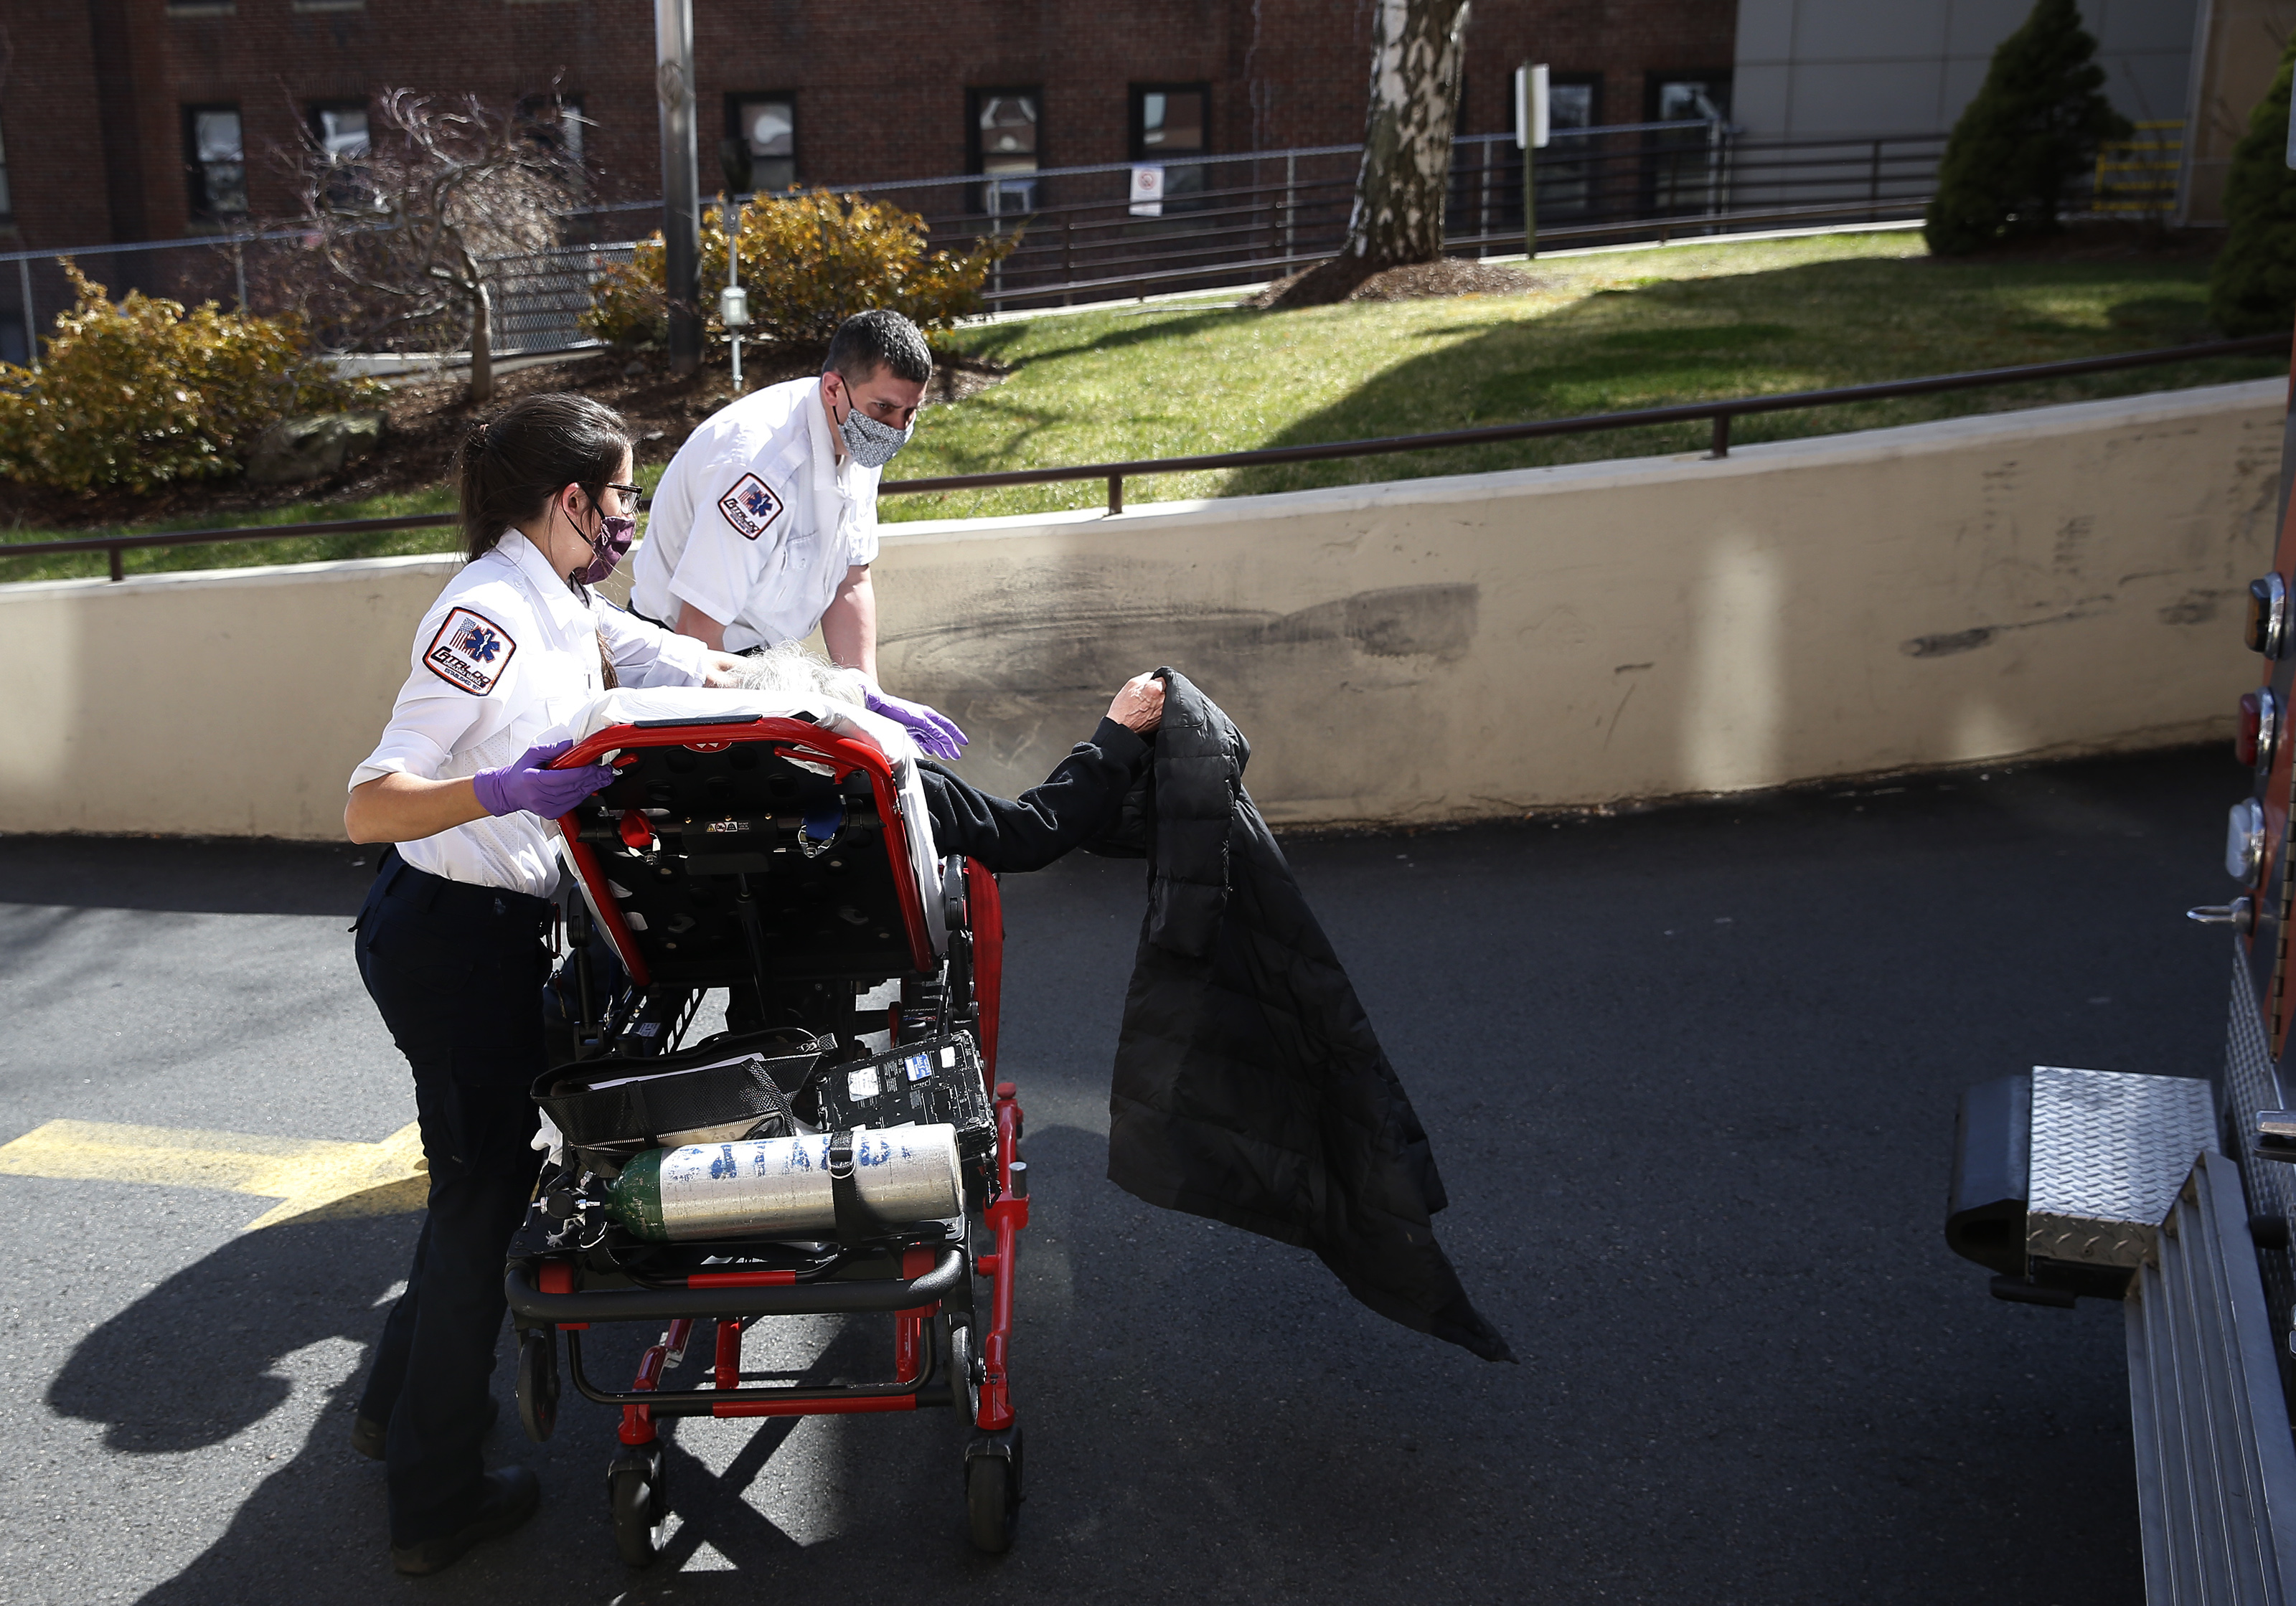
column 1087, row 232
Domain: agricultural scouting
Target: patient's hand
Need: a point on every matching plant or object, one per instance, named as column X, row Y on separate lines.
column 722, row 669
column 1139, row 707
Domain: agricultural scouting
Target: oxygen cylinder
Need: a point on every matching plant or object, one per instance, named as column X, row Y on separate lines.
column 777, row 1186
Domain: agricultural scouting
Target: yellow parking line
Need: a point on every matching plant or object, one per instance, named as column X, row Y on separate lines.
column 314, row 1179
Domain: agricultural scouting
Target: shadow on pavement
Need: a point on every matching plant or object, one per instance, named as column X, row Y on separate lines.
column 192, row 875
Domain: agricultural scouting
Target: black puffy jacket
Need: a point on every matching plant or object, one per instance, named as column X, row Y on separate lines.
column 1249, row 1087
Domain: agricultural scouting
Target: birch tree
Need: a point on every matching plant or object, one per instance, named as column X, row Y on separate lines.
column 417, row 225
column 1417, row 50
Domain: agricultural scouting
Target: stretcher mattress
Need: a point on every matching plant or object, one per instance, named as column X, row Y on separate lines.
column 634, row 705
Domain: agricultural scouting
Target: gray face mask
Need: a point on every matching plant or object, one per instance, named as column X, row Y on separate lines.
column 872, row 444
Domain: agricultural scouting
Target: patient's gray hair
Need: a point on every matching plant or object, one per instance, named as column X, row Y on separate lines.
column 790, row 671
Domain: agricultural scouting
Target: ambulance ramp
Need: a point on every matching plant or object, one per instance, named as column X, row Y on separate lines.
column 2216, row 1467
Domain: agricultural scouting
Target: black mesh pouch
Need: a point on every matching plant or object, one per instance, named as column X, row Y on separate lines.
column 619, row 1103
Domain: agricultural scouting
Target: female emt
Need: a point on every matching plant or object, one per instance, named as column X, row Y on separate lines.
column 450, row 940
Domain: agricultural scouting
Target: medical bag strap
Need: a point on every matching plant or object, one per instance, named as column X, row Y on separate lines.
column 856, row 1223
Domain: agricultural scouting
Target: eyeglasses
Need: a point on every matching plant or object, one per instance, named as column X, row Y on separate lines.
column 633, row 495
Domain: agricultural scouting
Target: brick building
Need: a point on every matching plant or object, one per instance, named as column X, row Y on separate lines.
column 128, row 119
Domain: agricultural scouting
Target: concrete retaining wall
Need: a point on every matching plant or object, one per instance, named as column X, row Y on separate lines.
column 2054, row 580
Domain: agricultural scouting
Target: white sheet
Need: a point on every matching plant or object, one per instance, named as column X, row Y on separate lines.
column 627, row 705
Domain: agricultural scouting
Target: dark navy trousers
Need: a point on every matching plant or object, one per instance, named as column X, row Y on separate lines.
column 457, row 972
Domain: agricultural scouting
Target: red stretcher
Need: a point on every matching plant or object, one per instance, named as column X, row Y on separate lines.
column 785, row 856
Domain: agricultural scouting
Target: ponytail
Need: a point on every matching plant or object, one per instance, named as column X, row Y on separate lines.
column 510, row 466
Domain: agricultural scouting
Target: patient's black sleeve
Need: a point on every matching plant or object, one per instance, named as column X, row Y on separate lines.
column 1077, row 801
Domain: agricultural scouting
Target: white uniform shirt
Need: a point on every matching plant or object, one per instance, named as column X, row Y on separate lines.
column 507, row 652
column 756, row 520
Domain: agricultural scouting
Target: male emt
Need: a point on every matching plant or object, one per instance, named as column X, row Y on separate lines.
column 764, row 523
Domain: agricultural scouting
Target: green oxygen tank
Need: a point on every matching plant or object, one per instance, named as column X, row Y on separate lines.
column 779, row 1186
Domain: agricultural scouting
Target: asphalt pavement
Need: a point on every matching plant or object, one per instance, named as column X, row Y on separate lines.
column 1690, row 1076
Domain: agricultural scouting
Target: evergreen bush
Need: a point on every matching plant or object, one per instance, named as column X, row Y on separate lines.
column 2252, row 286
column 2026, row 139
column 808, row 262
column 144, row 393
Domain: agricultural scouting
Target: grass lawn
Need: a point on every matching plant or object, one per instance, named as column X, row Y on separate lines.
column 1600, row 333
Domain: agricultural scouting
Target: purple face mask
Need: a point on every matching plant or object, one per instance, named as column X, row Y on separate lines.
column 609, row 545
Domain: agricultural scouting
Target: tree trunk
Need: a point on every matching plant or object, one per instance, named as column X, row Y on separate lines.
column 482, row 344
column 1416, row 55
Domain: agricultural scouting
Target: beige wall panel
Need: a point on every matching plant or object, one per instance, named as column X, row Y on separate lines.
column 2040, row 581
column 2056, row 580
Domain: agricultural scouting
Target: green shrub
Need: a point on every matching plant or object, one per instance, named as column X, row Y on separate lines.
column 2026, row 139
column 144, row 393
column 808, row 262
column 2252, row 286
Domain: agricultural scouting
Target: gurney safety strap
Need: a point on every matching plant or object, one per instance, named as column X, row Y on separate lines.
column 856, row 1222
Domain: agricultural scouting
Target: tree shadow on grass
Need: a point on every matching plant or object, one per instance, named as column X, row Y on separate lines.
column 1812, row 326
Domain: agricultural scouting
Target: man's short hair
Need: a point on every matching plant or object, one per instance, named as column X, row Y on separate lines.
column 879, row 338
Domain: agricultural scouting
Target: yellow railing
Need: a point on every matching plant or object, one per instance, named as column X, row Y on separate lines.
column 2139, row 175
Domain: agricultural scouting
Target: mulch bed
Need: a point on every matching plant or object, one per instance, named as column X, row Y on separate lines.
column 428, row 417
column 1329, row 283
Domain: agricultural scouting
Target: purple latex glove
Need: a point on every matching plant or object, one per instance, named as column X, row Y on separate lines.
column 937, row 737
column 525, row 786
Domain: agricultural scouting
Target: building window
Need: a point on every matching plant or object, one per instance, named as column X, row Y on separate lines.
column 556, row 123
column 1169, row 123
column 767, row 124
column 217, row 162
column 1574, row 100
column 1682, row 97
column 1568, row 175
column 338, row 147
column 1005, row 140
column 339, row 130
column 1684, row 172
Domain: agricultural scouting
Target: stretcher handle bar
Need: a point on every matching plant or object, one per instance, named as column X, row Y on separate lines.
column 665, row 1304
column 930, row 1387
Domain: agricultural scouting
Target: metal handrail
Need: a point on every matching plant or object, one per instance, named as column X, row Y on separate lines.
column 1719, row 413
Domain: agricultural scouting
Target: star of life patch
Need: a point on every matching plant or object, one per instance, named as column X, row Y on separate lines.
column 470, row 653
column 750, row 507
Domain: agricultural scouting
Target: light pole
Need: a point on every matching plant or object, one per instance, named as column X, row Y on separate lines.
column 732, row 301
column 681, row 197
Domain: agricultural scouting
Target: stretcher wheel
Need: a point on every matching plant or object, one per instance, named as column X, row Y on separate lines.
column 641, row 1503
column 537, row 1382
column 992, row 1490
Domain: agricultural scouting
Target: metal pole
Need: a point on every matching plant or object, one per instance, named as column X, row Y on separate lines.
column 681, row 196
column 1483, row 206
column 1290, row 200
column 239, row 270
column 1713, row 166
column 1529, row 163
column 733, row 273
column 31, row 329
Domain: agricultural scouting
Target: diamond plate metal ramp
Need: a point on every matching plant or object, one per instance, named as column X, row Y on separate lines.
column 2110, row 1149
column 2216, row 1467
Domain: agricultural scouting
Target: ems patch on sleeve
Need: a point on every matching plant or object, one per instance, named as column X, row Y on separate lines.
column 470, row 653
column 750, row 507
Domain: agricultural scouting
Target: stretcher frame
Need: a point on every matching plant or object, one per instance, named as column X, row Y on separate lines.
column 943, row 1358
